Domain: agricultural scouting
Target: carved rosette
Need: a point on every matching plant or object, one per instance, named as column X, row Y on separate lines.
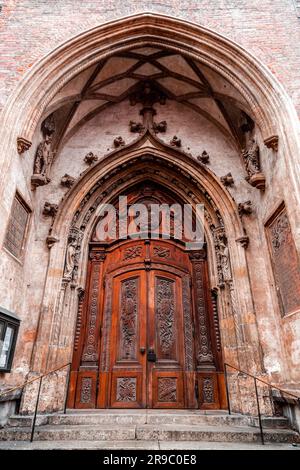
column 90, row 353
column 204, row 355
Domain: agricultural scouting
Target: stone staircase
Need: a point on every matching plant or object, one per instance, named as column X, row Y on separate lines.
column 140, row 428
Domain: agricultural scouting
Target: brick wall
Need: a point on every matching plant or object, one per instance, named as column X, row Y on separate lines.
column 270, row 29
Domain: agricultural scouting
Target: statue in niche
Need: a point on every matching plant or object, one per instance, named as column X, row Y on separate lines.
column 224, row 269
column 42, row 161
column 251, row 158
column 70, row 256
column 70, row 260
column 252, row 164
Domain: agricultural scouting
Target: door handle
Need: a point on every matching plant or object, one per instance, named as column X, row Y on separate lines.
column 151, row 356
column 142, row 350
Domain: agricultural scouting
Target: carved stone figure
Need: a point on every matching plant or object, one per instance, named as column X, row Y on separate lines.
column 245, row 208
column 136, row 127
column 67, row 181
column 227, row 180
column 203, row 158
column 70, row 258
column 160, row 126
column 252, row 164
column 119, row 142
column 42, row 161
column 48, row 125
column 50, row 209
column 251, row 158
column 90, row 158
column 222, row 251
column 175, row 142
column 72, row 254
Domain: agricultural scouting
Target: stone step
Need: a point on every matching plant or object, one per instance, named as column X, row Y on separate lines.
column 147, row 432
column 143, row 445
column 213, row 433
column 161, row 417
column 67, row 433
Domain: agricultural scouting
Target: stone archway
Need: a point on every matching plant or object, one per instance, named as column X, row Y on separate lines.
column 264, row 100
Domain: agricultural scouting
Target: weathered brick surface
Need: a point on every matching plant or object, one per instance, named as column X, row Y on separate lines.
column 270, row 29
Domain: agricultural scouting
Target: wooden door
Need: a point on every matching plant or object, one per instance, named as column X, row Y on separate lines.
column 144, row 330
column 128, row 341
column 146, row 340
column 165, row 341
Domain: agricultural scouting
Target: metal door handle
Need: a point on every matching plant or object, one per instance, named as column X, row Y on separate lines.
column 151, row 356
column 142, row 350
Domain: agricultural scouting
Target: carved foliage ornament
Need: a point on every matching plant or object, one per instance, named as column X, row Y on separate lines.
column 86, row 390
column 126, row 389
column 128, row 318
column 208, row 390
column 203, row 158
column 90, row 158
column 167, row 389
column 161, row 252
column 245, row 208
column 119, row 142
column 280, row 231
column 132, row 252
column 204, row 355
column 175, row 142
column 227, row 180
column 67, row 181
column 165, row 313
column 50, row 209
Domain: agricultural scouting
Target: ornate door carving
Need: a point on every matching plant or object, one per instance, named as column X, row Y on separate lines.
column 145, row 334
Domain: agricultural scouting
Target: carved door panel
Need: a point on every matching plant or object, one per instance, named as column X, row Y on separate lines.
column 165, row 341
column 128, row 340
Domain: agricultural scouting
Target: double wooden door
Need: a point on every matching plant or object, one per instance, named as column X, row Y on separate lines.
column 143, row 336
column 147, row 339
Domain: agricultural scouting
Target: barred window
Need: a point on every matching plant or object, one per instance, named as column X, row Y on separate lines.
column 17, row 227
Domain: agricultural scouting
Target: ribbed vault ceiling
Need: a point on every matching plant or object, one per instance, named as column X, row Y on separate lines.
column 181, row 79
